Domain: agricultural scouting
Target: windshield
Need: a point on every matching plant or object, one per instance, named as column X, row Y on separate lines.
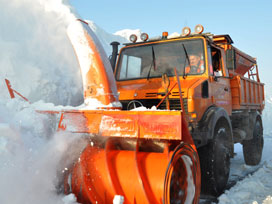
column 149, row 61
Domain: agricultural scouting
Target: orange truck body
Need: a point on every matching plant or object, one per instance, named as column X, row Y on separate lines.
column 220, row 95
column 246, row 94
column 238, row 88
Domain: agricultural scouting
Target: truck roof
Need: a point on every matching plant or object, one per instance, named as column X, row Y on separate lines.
column 218, row 39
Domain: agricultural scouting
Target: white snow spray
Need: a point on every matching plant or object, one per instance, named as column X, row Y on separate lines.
column 36, row 54
column 32, row 155
column 38, row 59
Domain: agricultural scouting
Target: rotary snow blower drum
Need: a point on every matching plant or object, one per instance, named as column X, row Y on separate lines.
column 143, row 156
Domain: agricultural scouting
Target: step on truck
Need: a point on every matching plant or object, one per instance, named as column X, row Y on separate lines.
column 222, row 96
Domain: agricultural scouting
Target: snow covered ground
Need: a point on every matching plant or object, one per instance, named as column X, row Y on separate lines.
column 38, row 59
column 256, row 187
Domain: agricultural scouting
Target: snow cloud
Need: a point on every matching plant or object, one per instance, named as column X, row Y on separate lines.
column 36, row 55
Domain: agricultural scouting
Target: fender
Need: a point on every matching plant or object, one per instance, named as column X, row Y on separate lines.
column 206, row 125
column 253, row 117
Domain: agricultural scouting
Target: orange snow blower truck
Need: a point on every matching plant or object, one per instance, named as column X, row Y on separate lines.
column 222, row 97
column 164, row 104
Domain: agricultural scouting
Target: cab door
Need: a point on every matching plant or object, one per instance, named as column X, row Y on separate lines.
column 219, row 79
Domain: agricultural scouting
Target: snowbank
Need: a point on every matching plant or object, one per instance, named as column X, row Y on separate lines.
column 255, row 188
column 125, row 33
column 267, row 113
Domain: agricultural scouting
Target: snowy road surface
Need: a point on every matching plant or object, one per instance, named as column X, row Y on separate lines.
column 255, row 188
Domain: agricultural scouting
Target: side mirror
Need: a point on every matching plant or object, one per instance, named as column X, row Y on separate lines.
column 231, row 59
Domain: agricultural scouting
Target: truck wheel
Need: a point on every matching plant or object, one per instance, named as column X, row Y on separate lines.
column 215, row 162
column 253, row 148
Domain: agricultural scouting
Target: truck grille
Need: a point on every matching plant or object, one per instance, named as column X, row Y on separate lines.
column 155, row 94
column 149, row 103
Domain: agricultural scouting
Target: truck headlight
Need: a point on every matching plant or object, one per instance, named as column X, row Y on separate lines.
column 144, row 36
column 186, row 31
column 133, row 38
column 199, row 29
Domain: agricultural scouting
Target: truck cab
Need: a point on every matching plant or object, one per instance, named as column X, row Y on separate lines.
column 145, row 73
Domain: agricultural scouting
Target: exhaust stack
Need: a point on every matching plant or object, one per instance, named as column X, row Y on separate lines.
column 114, row 54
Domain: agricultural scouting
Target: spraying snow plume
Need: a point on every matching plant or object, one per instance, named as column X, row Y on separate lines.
column 38, row 59
column 31, row 155
column 36, row 55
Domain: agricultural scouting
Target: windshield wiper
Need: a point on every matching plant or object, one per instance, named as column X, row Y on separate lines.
column 187, row 58
column 153, row 63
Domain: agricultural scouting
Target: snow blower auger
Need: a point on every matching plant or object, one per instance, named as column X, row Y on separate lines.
column 139, row 156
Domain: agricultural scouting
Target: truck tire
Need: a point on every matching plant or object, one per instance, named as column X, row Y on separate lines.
column 252, row 149
column 215, row 162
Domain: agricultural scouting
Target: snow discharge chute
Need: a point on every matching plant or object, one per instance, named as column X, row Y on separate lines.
column 140, row 156
column 96, row 71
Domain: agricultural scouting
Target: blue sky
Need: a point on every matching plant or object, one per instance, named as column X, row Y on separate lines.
column 249, row 23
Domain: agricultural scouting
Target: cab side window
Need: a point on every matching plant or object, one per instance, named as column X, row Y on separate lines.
column 216, row 62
